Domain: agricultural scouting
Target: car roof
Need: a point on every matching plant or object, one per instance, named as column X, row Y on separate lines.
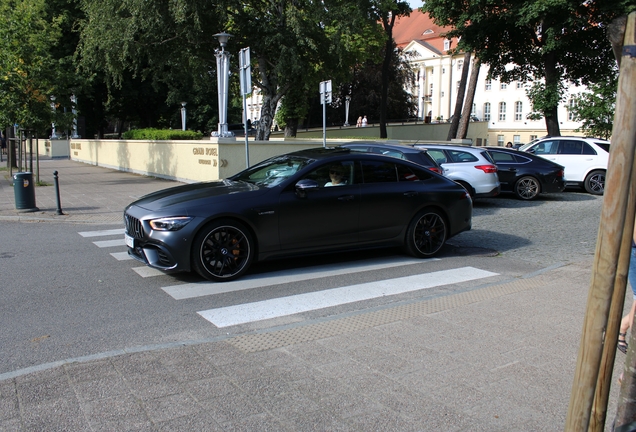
column 392, row 146
column 449, row 147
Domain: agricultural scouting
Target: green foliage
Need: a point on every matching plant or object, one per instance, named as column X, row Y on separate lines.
column 544, row 98
column 595, row 108
column 161, row 134
column 553, row 40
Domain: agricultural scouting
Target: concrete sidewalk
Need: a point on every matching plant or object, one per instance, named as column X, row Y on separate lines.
column 498, row 358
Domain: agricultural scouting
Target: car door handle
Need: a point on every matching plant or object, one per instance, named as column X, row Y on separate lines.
column 410, row 193
column 346, row 198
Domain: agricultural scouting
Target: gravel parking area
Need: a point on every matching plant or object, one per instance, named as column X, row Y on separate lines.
column 554, row 228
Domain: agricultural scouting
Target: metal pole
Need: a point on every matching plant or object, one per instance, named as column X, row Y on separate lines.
column 323, row 97
column 247, row 152
column 57, row 194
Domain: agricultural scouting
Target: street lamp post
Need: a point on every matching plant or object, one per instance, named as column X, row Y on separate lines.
column 74, row 110
column 53, row 134
column 347, row 102
column 222, row 77
column 183, row 116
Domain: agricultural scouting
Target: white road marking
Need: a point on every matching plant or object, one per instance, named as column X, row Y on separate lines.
column 121, row 256
column 110, row 243
column 185, row 291
column 101, row 233
column 273, row 308
column 145, row 272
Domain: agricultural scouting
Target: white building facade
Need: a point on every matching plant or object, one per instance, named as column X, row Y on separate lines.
column 505, row 106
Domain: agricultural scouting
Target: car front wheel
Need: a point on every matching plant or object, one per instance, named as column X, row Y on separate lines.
column 426, row 234
column 595, row 182
column 222, row 251
column 527, row 188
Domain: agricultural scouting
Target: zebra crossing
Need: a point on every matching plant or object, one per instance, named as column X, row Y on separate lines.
column 289, row 305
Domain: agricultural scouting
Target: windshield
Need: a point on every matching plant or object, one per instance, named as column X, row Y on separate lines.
column 272, row 171
column 527, row 146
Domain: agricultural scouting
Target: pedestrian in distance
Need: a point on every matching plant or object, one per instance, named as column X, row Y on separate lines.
column 359, row 122
column 509, row 144
column 364, row 121
column 3, row 145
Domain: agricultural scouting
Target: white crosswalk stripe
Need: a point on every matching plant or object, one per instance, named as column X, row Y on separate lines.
column 289, row 305
column 278, row 307
column 185, row 291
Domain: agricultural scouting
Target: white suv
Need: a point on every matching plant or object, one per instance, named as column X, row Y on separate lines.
column 472, row 167
column 585, row 159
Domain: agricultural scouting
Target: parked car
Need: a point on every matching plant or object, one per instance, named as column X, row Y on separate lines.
column 472, row 167
column 585, row 159
column 284, row 207
column 417, row 155
column 525, row 174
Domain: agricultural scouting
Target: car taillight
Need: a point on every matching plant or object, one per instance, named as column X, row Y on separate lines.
column 436, row 169
column 488, row 169
column 560, row 173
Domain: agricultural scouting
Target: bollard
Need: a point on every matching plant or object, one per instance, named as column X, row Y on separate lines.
column 57, row 193
column 24, row 192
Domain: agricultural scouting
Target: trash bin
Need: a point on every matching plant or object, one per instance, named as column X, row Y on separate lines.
column 24, row 191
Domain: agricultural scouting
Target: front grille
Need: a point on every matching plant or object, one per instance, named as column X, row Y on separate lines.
column 134, row 228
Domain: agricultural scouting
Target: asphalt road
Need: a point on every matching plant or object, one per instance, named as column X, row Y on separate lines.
column 65, row 297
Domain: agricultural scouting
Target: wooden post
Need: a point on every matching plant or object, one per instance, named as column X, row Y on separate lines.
column 608, row 245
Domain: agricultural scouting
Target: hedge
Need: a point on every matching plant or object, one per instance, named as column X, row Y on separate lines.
column 161, row 134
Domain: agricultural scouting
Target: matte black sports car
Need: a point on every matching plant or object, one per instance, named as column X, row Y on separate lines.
column 525, row 174
column 413, row 154
column 309, row 201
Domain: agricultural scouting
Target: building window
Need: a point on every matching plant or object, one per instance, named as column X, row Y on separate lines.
column 500, row 140
column 502, row 111
column 533, row 137
column 518, row 111
column 516, row 139
column 430, row 90
column 503, row 86
column 460, row 64
column 447, row 44
column 442, row 94
column 519, row 85
column 571, row 104
column 474, row 110
column 487, row 111
column 488, row 84
column 443, row 70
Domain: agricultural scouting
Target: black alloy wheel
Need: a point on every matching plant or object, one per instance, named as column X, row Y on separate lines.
column 222, row 251
column 595, row 183
column 426, row 234
column 527, row 188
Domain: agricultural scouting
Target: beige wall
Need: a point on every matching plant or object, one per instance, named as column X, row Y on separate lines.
column 203, row 160
column 54, row 148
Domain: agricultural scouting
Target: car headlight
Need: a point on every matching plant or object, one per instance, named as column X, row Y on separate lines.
column 169, row 224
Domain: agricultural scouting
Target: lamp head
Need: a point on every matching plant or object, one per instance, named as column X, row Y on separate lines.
column 223, row 38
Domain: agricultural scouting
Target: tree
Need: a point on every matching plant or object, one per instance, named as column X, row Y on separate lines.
column 386, row 12
column 595, row 108
column 543, row 42
column 27, row 66
column 452, row 131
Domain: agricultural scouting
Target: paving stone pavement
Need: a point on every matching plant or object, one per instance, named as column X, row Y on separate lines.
column 500, row 358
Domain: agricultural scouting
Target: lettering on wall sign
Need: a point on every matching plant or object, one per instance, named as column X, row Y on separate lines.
column 76, row 146
column 206, row 162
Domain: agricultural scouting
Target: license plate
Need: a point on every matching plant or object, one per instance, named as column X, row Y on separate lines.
column 130, row 242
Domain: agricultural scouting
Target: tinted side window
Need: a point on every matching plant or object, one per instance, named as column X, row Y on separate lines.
column 502, row 157
column 406, row 173
column 546, row 147
column 379, row 172
column 604, row 146
column 570, row 147
column 438, row 156
column 462, row 156
column 587, row 149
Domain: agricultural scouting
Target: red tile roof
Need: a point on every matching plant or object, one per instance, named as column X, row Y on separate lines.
column 413, row 27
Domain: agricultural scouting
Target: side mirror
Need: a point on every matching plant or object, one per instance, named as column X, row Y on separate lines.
column 305, row 185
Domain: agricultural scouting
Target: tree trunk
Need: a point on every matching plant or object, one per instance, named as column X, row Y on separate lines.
column 266, row 120
column 462, row 130
column 291, row 128
column 452, row 132
column 551, row 85
column 386, row 67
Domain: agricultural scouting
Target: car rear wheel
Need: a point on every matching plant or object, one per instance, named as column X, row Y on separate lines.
column 222, row 251
column 527, row 188
column 595, row 182
column 426, row 234
column 468, row 188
